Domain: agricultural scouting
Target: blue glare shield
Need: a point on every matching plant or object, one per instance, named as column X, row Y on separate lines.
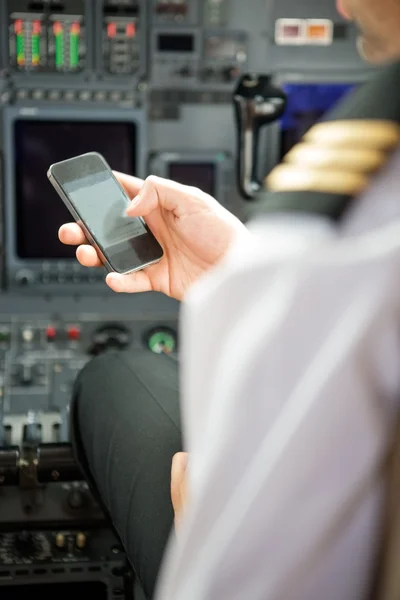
column 307, row 104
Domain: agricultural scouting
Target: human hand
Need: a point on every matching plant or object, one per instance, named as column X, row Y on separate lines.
column 178, row 485
column 194, row 230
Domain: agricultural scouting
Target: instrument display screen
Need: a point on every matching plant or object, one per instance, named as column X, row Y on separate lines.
column 38, row 144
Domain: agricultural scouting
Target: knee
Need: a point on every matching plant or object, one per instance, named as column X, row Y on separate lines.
column 96, row 383
column 99, row 389
column 107, row 369
column 110, row 376
column 136, row 386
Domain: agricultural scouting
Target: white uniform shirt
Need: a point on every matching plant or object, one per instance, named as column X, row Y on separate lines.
column 290, row 388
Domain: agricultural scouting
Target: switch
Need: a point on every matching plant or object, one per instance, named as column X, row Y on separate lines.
column 32, row 431
column 40, row 369
column 76, row 499
column 60, row 541
column 185, row 71
column 130, row 30
column 80, row 540
column 230, row 73
column 208, row 73
column 24, row 278
column 27, row 335
column 26, row 374
column 51, row 333
column 74, row 333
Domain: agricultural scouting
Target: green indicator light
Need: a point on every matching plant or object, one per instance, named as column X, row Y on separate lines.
column 162, row 342
column 20, row 49
column 4, row 336
column 74, row 45
column 35, row 42
column 59, row 50
column 35, row 49
column 58, row 31
column 74, row 51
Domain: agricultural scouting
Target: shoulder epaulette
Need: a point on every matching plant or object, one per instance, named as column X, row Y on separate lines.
column 339, row 157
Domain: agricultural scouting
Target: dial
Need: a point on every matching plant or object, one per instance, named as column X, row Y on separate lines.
column 110, row 337
column 162, row 341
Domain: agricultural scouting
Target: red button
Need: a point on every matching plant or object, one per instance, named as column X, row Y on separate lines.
column 51, row 333
column 130, row 30
column 74, row 333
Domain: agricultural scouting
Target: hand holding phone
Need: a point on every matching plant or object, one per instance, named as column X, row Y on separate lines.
column 98, row 203
column 194, row 230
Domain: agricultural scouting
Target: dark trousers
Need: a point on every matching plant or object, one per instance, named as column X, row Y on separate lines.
column 125, row 430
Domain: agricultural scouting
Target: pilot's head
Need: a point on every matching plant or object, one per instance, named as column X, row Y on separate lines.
column 379, row 21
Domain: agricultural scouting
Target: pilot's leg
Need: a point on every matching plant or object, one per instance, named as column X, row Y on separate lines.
column 126, row 429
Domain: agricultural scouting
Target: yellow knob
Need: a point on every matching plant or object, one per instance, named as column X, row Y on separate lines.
column 60, row 540
column 81, row 540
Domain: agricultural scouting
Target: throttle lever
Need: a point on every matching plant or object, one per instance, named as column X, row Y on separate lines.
column 257, row 103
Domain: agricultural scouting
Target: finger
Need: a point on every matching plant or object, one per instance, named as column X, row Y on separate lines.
column 178, row 470
column 158, row 192
column 179, row 462
column 71, row 234
column 134, row 283
column 132, row 185
column 178, row 478
column 88, row 257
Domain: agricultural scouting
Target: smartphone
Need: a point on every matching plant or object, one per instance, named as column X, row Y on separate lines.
column 98, row 202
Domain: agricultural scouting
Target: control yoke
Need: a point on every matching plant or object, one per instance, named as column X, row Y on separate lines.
column 257, row 103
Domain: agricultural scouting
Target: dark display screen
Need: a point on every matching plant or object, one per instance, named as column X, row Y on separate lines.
column 39, row 210
column 307, row 104
column 200, row 175
column 175, row 43
column 49, row 591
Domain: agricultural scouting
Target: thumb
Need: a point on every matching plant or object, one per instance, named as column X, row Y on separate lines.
column 164, row 193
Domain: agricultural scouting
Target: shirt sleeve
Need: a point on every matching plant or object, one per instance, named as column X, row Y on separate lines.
column 289, row 385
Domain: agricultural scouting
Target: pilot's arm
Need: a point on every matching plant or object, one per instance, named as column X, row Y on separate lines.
column 290, row 431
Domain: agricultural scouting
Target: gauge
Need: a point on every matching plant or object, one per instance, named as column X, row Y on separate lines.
column 110, row 337
column 161, row 341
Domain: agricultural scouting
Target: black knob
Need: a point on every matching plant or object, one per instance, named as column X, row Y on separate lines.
column 9, row 463
column 24, row 278
column 56, row 462
column 230, row 73
column 185, row 72
column 26, row 374
column 76, row 499
column 25, row 544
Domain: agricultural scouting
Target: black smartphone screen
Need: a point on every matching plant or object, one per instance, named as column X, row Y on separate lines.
column 101, row 203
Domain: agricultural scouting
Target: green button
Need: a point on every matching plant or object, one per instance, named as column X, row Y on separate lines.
column 4, row 335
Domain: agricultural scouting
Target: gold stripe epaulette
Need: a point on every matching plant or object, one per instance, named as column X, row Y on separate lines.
column 336, row 157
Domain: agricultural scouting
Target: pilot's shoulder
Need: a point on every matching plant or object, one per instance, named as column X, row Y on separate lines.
column 336, row 162
column 342, row 157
